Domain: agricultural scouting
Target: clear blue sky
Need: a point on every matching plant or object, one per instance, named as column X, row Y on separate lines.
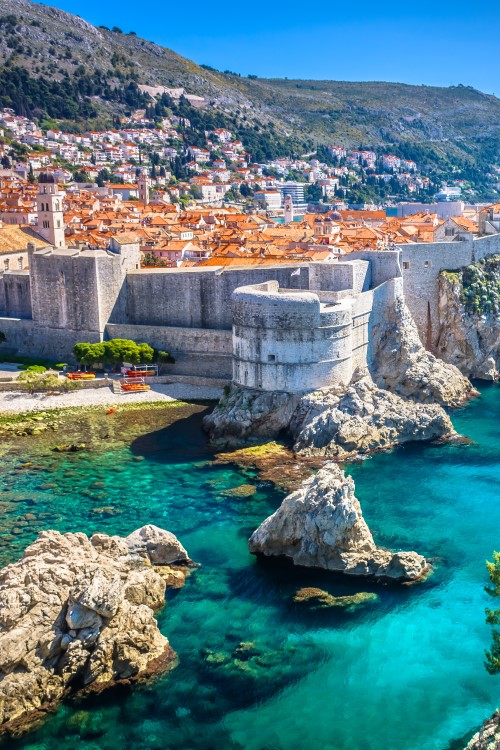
column 433, row 42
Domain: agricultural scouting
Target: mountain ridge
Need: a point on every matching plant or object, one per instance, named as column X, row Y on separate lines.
column 454, row 125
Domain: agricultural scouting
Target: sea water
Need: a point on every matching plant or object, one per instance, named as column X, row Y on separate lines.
column 257, row 671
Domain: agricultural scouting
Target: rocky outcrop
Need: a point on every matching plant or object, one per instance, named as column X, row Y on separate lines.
column 488, row 737
column 401, row 364
column 321, row 525
column 78, row 614
column 245, row 413
column 340, row 422
column 337, row 422
column 469, row 319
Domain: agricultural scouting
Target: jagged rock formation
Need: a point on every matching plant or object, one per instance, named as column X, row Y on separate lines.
column 336, row 422
column 244, row 413
column 402, row 365
column 321, row 525
column 78, row 613
column 469, row 319
column 488, row 737
column 362, row 418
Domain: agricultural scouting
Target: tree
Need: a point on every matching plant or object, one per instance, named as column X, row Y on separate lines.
column 88, row 354
column 313, row 193
column 492, row 662
column 118, row 351
column 163, row 358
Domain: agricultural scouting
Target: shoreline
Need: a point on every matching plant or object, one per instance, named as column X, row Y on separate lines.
column 17, row 403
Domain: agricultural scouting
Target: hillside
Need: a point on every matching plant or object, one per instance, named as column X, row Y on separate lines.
column 100, row 71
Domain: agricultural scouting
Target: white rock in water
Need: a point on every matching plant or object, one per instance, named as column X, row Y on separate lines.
column 79, row 612
column 321, row 525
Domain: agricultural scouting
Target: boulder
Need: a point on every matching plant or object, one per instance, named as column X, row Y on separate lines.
column 159, row 546
column 321, row 525
column 78, row 613
column 488, row 737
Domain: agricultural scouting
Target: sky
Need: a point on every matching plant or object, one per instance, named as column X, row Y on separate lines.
column 438, row 42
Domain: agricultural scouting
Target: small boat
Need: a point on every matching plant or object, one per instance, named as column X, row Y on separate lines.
column 139, row 373
column 80, row 375
column 135, row 387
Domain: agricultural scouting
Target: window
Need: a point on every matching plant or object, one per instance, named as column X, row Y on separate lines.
column 271, row 358
column 406, row 265
column 20, row 262
column 428, row 264
column 6, row 265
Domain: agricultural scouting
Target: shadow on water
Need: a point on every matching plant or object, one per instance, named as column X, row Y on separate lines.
column 181, row 442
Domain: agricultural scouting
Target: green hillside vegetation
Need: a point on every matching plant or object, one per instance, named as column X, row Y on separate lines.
column 86, row 76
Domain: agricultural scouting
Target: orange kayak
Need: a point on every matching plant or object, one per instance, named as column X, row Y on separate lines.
column 80, row 375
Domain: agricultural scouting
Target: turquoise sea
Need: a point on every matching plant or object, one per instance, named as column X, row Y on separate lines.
column 402, row 673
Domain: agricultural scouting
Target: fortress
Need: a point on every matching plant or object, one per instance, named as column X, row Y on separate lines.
column 290, row 327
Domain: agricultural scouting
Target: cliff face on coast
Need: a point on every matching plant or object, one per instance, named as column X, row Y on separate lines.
column 77, row 614
column 469, row 319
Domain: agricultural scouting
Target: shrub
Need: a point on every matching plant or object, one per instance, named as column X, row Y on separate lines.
column 40, row 369
column 61, row 366
column 35, row 382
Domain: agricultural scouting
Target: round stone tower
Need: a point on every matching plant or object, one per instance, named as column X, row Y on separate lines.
column 287, row 340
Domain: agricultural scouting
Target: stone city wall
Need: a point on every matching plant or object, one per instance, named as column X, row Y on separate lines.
column 422, row 264
column 197, row 351
column 15, row 294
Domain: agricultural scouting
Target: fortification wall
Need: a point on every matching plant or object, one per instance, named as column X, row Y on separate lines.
column 200, row 298
column 15, row 294
column 338, row 276
column 27, row 338
column 288, row 341
column 196, row 351
column 384, row 264
column 422, row 264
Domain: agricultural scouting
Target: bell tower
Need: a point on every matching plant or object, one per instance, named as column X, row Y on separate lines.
column 288, row 209
column 144, row 183
column 49, row 203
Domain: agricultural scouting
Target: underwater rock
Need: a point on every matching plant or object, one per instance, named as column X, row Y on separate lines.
column 321, row 525
column 320, row 598
column 72, row 448
column 77, row 613
column 244, row 490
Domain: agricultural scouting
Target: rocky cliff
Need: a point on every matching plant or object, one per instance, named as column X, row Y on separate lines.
column 402, row 365
column 488, row 737
column 321, row 525
column 469, row 319
column 78, row 614
column 362, row 418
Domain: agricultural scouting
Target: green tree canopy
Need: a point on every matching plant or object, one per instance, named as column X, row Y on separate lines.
column 492, row 662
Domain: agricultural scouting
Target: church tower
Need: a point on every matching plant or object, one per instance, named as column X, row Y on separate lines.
column 144, row 184
column 288, row 206
column 49, row 203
